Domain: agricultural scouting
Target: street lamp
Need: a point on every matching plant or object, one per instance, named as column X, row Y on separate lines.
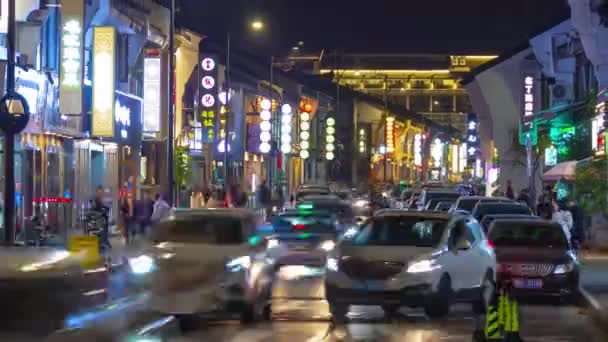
column 257, row 25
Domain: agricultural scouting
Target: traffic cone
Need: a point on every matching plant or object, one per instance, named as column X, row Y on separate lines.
column 493, row 331
column 512, row 326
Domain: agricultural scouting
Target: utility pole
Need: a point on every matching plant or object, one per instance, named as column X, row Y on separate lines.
column 170, row 137
column 227, row 117
column 9, row 137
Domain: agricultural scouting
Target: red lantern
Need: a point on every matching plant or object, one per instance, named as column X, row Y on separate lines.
column 308, row 108
column 302, row 106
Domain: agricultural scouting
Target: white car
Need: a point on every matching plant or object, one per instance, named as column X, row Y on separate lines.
column 205, row 260
column 415, row 259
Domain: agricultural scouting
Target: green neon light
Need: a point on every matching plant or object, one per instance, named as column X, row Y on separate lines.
column 304, row 236
column 305, row 206
column 255, row 240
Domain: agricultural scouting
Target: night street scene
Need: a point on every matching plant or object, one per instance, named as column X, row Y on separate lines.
column 304, row 171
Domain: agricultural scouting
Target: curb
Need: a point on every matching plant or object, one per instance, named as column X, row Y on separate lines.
column 599, row 313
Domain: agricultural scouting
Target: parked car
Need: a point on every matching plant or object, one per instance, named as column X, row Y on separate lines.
column 429, row 194
column 468, row 202
column 444, row 206
column 432, row 204
column 412, row 258
column 204, row 260
column 535, row 257
column 483, row 208
column 488, row 219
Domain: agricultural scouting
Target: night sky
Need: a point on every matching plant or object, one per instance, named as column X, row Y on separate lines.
column 381, row 26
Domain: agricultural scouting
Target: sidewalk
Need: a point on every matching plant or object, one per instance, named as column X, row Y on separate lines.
column 594, row 285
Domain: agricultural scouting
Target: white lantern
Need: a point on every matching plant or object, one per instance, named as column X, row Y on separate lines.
column 304, row 135
column 265, row 115
column 265, row 126
column 266, row 104
column 286, row 148
column 265, row 136
column 329, row 147
column 304, row 154
column 304, row 145
column 331, row 130
column 304, row 116
column 330, row 139
column 329, row 156
column 286, row 109
column 264, row 147
column 330, row 121
column 305, row 126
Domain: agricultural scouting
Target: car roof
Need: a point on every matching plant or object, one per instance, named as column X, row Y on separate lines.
column 422, row 213
column 499, row 198
column 322, row 198
column 240, row 213
column 509, row 221
column 512, row 204
column 512, row 216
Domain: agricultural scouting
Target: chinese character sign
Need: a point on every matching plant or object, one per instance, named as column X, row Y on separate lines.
column 208, row 101
column 71, row 61
column 528, row 100
column 472, row 141
column 104, row 54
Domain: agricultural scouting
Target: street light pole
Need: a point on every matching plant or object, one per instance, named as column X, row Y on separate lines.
column 9, row 137
column 170, row 137
column 227, row 117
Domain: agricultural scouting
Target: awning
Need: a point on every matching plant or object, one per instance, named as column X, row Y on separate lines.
column 565, row 171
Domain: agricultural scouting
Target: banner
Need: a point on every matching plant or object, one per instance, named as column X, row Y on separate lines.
column 71, row 57
column 104, row 56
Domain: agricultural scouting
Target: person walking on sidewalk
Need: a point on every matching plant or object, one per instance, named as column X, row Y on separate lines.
column 161, row 209
column 264, row 199
column 100, row 209
column 562, row 215
column 510, row 192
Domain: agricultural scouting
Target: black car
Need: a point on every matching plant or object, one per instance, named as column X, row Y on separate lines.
column 535, row 257
column 468, row 202
column 488, row 219
column 484, row 208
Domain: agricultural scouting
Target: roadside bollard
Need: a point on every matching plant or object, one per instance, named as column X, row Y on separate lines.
column 502, row 320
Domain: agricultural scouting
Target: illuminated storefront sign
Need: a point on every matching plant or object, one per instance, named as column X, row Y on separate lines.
column 286, row 118
column 71, row 57
column 597, row 132
column 208, row 104
column 418, row 150
column 550, row 156
column 455, row 158
column 528, row 100
column 152, row 93
column 463, row 157
column 362, row 141
column 305, row 116
column 330, row 138
column 265, row 125
column 472, row 139
column 104, row 54
column 437, row 153
column 128, row 110
column 390, row 134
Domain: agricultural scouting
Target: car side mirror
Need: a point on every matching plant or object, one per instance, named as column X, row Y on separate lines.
column 462, row 244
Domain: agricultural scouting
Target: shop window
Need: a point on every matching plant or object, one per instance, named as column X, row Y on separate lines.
column 463, row 104
column 443, row 104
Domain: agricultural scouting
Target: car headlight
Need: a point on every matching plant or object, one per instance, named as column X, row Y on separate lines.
column 272, row 243
column 423, row 266
column 350, row 233
column 564, row 268
column 332, row 264
column 361, row 203
column 239, row 263
column 142, row 264
column 327, row 245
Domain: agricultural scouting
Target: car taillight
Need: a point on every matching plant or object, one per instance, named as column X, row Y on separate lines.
column 490, row 244
column 299, row 226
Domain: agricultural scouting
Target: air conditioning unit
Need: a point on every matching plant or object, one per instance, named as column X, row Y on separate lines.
column 561, row 93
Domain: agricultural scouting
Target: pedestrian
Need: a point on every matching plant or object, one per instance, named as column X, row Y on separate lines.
column 103, row 211
column 579, row 233
column 126, row 212
column 206, row 195
column 510, row 193
column 563, row 216
column 161, row 209
column 144, row 211
column 524, row 197
column 544, row 208
column 264, row 199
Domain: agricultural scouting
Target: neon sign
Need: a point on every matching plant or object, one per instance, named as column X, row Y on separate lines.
column 529, row 100
column 390, row 134
column 265, row 125
column 418, row 150
column 104, row 53
column 71, row 59
column 152, row 94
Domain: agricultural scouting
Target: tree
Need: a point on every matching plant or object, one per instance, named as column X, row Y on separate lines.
column 591, row 186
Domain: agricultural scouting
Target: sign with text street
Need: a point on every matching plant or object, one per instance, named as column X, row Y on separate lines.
column 472, row 139
column 208, row 101
column 528, row 100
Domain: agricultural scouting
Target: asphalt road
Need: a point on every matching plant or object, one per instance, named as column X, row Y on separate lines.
column 308, row 320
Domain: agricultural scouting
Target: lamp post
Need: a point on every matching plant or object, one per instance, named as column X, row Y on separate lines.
column 171, row 116
column 14, row 115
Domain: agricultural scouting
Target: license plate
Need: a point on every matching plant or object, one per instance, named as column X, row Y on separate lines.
column 298, row 246
column 528, row 283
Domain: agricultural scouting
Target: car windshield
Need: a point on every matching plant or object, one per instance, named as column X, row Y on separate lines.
column 528, row 234
column 313, row 223
column 415, row 231
column 504, row 208
column 441, row 195
column 202, row 229
column 341, row 209
column 467, row 204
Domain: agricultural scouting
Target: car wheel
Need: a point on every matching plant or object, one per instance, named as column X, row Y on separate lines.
column 248, row 313
column 187, row 322
column 487, row 291
column 438, row 304
column 338, row 311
